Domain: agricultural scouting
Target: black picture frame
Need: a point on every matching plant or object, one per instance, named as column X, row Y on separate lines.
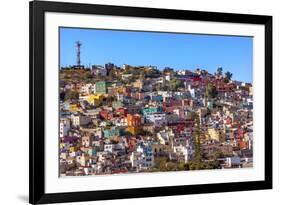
column 37, row 194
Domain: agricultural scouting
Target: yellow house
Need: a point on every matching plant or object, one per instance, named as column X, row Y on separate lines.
column 120, row 89
column 73, row 107
column 138, row 84
column 94, row 99
column 133, row 130
column 62, row 145
column 72, row 149
column 215, row 134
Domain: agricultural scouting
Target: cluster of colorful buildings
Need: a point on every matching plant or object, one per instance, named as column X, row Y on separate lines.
column 124, row 120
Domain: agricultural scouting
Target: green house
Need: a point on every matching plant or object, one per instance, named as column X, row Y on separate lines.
column 113, row 132
column 101, row 87
column 117, row 104
column 151, row 110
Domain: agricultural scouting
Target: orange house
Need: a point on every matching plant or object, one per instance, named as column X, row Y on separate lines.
column 243, row 145
column 133, row 122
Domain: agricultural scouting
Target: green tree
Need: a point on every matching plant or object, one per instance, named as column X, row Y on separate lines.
column 168, row 70
column 171, row 166
column 175, row 84
column 212, row 165
column 219, row 71
column 196, row 162
column 228, row 76
column 71, row 95
column 160, row 163
column 183, row 166
column 217, row 154
column 211, row 91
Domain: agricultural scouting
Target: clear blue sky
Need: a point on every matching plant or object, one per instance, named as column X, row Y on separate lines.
column 179, row 51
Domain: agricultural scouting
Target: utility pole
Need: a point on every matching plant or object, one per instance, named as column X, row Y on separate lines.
column 78, row 46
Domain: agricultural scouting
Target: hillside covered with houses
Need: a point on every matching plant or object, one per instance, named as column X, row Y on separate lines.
column 134, row 119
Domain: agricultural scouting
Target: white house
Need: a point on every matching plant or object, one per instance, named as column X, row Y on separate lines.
column 113, row 147
column 142, row 158
column 88, row 88
column 80, row 120
column 233, row 162
column 165, row 136
column 159, row 119
column 64, row 126
column 109, row 147
column 182, row 146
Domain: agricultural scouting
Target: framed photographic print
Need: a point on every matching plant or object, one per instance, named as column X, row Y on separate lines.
column 130, row 102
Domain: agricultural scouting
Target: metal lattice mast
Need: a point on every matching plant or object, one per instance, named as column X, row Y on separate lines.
column 78, row 45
